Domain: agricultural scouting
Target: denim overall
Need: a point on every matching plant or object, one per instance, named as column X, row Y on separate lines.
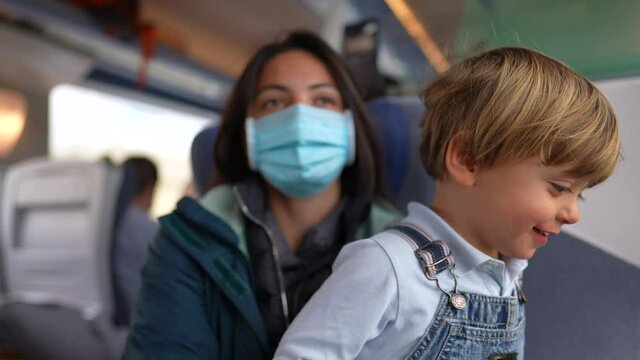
column 476, row 327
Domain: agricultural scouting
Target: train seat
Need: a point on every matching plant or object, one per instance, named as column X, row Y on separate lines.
column 56, row 229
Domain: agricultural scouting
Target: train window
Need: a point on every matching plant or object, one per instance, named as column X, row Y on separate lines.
column 89, row 123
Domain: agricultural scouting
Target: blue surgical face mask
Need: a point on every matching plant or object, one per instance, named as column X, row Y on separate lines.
column 301, row 149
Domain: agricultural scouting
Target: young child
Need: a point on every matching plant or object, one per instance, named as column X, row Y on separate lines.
column 512, row 138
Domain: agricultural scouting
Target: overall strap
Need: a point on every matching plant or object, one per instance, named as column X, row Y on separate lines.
column 434, row 255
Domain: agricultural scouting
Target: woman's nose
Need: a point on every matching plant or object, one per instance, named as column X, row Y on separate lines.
column 300, row 97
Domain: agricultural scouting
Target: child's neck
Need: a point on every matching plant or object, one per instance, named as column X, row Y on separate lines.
column 451, row 204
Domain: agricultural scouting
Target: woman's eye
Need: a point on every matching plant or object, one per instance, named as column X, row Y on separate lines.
column 270, row 104
column 325, row 101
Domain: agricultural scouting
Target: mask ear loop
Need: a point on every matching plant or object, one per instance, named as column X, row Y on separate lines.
column 351, row 133
column 250, row 139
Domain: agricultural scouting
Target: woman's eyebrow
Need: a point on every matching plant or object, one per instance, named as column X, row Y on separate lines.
column 271, row 87
column 322, row 85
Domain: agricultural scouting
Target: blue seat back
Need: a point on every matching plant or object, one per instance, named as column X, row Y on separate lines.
column 202, row 161
column 583, row 303
column 396, row 121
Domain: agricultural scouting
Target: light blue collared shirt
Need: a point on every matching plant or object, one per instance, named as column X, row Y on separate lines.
column 378, row 304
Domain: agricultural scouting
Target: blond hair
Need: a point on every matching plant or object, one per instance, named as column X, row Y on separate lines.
column 516, row 103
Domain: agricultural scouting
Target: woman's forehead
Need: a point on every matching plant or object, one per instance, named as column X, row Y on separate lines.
column 294, row 69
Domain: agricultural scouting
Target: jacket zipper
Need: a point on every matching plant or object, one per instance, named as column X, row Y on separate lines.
column 274, row 251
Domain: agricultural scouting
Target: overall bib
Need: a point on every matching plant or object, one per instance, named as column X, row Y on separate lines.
column 466, row 326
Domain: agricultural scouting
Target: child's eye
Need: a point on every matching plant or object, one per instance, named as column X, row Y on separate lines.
column 559, row 188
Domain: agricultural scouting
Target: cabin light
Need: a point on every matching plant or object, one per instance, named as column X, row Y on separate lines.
column 13, row 114
column 420, row 34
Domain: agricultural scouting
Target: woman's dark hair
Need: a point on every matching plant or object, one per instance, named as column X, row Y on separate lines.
column 362, row 178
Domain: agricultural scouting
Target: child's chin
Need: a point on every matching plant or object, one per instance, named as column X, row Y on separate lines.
column 524, row 255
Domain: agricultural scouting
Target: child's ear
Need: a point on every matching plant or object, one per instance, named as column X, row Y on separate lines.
column 459, row 166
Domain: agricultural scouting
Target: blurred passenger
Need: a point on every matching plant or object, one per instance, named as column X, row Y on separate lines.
column 134, row 232
column 300, row 177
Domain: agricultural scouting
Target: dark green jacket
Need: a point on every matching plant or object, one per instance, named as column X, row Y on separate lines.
column 196, row 299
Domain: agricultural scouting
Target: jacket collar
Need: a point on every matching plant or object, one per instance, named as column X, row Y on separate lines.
column 213, row 244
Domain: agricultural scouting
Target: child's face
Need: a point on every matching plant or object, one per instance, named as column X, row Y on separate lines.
column 519, row 204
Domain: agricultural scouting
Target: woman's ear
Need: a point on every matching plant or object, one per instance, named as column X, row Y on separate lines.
column 458, row 164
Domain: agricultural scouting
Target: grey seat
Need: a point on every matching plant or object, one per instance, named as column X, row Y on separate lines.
column 56, row 226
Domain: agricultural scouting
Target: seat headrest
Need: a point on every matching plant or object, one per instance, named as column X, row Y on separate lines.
column 202, row 160
column 396, row 120
column 392, row 126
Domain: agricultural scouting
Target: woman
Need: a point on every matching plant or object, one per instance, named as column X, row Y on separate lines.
column 300, row 177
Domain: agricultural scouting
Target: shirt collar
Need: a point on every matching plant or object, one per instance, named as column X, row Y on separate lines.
column 513, row 269
column 466, row 256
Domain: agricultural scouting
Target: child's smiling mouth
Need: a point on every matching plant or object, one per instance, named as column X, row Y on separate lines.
column 543, row 235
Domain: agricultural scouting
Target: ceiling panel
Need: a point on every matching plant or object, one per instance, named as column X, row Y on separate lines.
column 224, row 34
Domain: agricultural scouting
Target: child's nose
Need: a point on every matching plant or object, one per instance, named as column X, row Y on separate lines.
column 569, row 213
